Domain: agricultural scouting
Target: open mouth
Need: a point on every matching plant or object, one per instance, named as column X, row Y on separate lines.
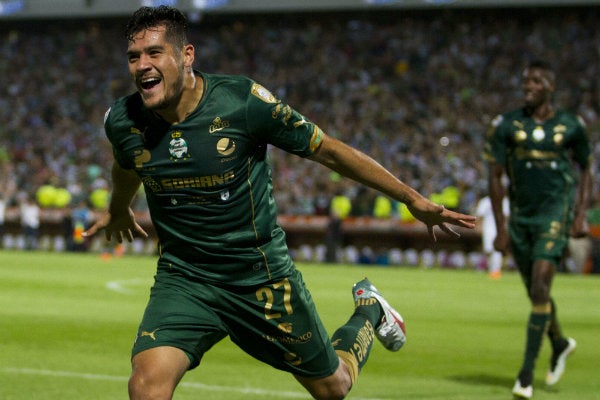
column 149, row 83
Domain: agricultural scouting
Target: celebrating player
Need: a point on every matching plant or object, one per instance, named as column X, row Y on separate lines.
column 541, row 149
column 197, row 142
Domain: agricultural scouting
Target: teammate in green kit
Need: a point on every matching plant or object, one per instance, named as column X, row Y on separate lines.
column 197, row 142
column 545, row 153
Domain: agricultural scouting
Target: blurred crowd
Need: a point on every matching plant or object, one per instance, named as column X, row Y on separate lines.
column 416, row 90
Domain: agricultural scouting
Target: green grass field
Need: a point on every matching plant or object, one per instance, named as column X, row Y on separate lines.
column 68, row 320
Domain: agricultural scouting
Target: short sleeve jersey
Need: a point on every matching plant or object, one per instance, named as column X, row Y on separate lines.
column 208, row 181
column 538, row 161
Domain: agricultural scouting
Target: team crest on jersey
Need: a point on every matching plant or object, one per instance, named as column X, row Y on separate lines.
column 263, row 94
column 178, row 147
column 539, row 134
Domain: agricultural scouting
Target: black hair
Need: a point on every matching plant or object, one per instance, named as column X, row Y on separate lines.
column 544, row 66
column 151, row 17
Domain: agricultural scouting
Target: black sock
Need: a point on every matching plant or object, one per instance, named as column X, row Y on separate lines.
column 536, row 329
column 353, row 341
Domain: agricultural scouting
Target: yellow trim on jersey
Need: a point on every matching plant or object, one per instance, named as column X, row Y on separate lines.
column 316, row 139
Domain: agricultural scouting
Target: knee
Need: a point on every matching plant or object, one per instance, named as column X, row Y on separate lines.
column 539, row 293
column 136, row 385
column 156, row 372
column 332, row 393
column 140, row 387
column 333, row 387
column 143, row 386
column 541, row 280
column 336, row 389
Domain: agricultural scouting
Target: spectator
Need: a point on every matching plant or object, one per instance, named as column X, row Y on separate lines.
column 81, row 219
column 416, row 97
column 30, row 222
column 485, row 213
column 2, row 215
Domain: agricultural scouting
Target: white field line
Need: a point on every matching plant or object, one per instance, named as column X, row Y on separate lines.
column 194, row 385
column 125, row 286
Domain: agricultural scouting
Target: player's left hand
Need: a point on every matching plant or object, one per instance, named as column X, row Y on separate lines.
column 433, row 215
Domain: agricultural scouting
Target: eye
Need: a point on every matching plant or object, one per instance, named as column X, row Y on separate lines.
column 154, row 53
column 132, row 57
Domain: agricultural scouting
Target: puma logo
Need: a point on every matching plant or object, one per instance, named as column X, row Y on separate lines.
column 149, row 334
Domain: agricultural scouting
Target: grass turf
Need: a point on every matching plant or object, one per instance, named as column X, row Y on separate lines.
column 68, row 321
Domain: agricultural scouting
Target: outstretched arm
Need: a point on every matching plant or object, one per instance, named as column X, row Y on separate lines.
column 358, row 166
column 119, row 219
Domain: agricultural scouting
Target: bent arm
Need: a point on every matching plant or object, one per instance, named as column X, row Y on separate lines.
column 125, row 186
column 119, row 219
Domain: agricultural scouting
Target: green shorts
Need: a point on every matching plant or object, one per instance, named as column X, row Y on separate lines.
column 546, row 239
column 276, row 323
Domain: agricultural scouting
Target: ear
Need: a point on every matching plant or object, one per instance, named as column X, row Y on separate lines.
column 188, row 55
column 549, row 81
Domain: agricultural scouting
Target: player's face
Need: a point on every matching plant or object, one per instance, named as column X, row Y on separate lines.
column 157, row 68
column 537, row 87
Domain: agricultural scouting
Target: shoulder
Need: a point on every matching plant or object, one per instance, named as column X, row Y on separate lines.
column 242, row 85
column 125, row 109
column 570, row 118
column 232, row 83
column 125, row 116
column 507, row 117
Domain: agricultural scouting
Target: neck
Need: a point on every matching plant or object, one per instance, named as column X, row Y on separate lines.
column 543, row 112
column 191, row 94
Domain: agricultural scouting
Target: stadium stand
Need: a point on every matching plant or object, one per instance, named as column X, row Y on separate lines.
column 415, row 89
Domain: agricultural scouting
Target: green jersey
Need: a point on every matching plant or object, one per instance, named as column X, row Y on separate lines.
column 538, row 160
column 208, row 181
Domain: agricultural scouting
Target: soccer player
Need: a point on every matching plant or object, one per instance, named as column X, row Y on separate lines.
column 545, row 152
column 197, row 142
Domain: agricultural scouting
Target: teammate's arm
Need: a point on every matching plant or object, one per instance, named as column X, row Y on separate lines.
column 358, row 166
column 496, row 191
column 580, row 226
column 119, row 219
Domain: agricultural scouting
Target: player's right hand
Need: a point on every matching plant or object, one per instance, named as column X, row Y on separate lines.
column 502, row 242
column 120, row 226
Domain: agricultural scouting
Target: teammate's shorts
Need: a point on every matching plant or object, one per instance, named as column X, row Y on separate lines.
column 545, row 240
column 276, row 323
